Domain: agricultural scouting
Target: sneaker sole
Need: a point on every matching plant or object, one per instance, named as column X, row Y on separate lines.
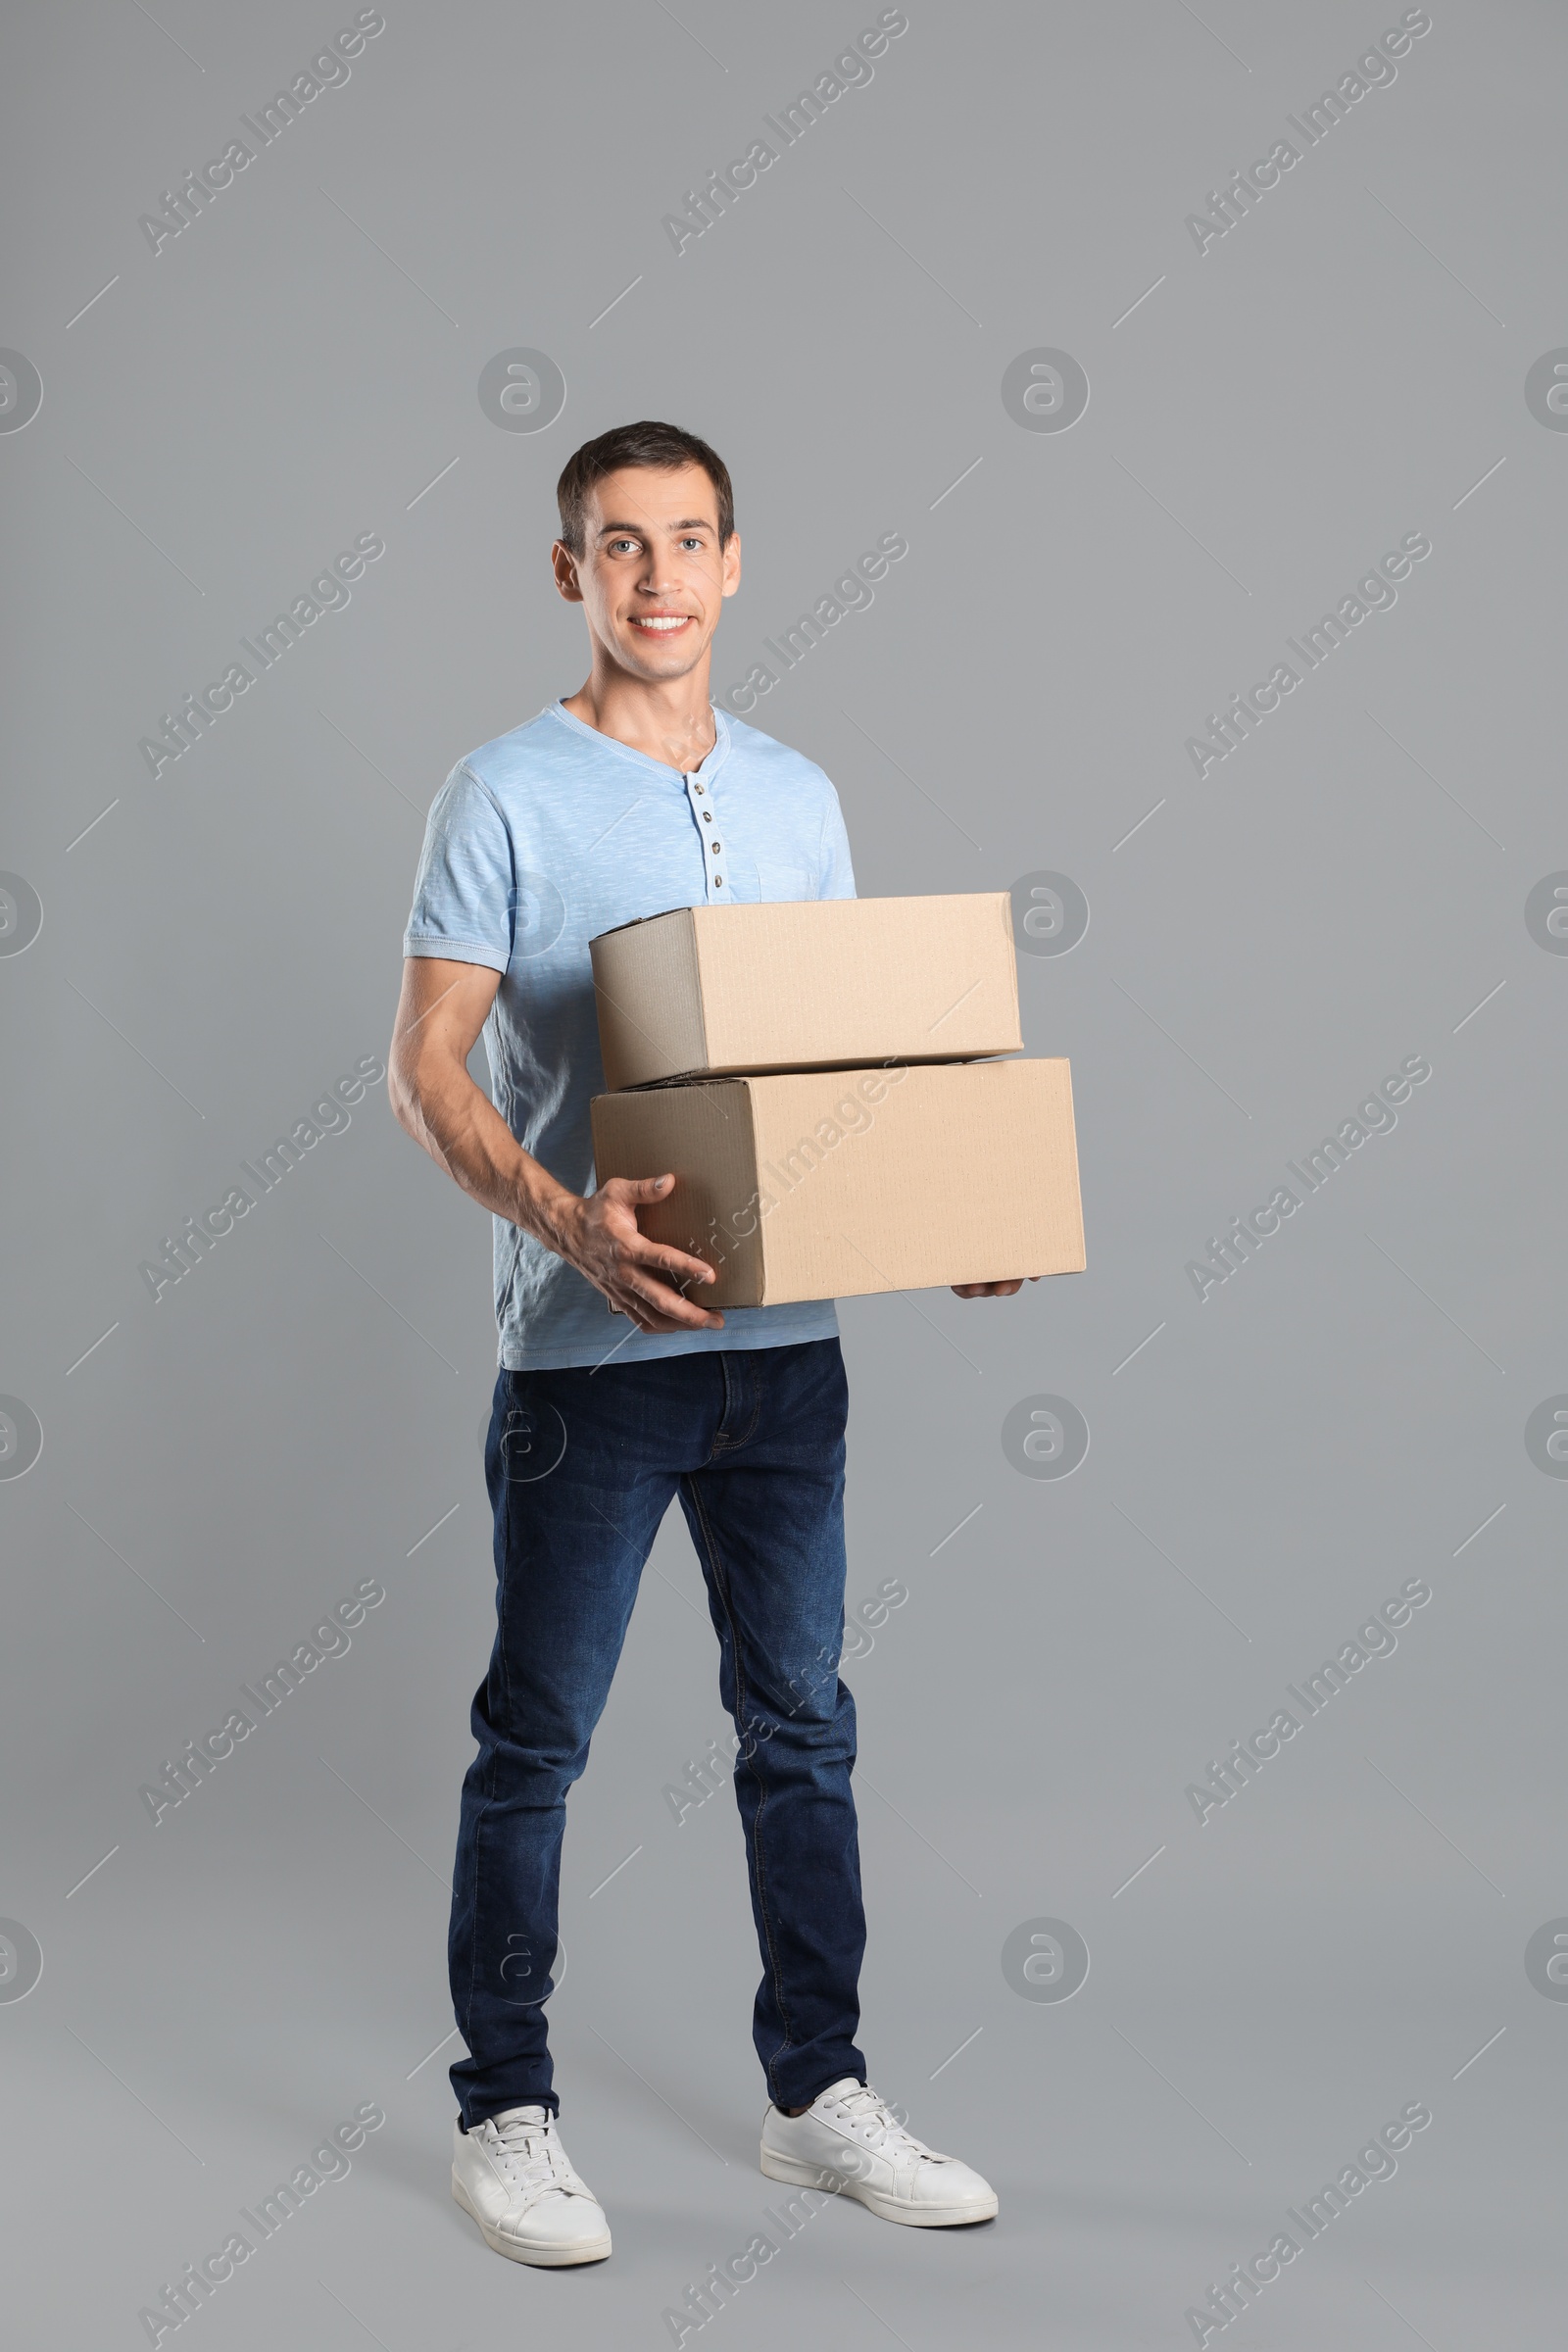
column 541, row 2255
column 886, row 2209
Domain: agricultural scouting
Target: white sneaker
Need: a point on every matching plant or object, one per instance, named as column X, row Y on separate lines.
column 514, row 2177
column 850, row 2143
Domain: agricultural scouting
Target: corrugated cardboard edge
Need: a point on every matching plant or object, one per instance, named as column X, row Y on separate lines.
column 698, row 929
column 1004, row 912
column 634, row 922
column 1072, row 1137
column 753, row 1249
column 637, row 1127
column 670, row 981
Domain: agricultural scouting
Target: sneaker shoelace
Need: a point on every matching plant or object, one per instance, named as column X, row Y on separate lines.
column 873, row 2115
column 529, row 2157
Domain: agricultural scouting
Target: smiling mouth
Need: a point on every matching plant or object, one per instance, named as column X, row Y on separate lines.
column 661, row 624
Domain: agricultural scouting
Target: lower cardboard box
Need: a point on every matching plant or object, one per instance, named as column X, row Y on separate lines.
column 828, row 1183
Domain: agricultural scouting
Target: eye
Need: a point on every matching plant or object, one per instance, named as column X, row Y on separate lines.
column 616, row 545
column 694, row 542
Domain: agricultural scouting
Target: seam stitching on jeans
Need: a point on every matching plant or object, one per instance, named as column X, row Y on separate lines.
column 724, row 1445
column 465, row 2021
column 722, row 1584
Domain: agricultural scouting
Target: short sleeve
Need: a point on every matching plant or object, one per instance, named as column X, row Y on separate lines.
column 835, row 874
column 464, row 898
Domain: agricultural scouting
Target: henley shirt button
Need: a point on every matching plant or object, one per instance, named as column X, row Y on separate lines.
column 715, row 846
column 720, row 879
column 708, row 816
column 696, row 788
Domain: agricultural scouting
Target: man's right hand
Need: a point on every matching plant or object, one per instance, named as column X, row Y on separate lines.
column 646, row 1280
column 440, row 1015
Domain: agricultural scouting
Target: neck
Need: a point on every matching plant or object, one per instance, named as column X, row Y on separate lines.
column 668, row 719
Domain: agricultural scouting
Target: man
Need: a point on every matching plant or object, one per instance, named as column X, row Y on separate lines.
column 629, row 797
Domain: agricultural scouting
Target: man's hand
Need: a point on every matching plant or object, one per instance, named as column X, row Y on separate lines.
column 990, row 1289
column 441, row 1012
column 600, row 1237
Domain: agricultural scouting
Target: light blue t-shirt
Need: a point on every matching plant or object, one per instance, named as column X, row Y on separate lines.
column 536, row 844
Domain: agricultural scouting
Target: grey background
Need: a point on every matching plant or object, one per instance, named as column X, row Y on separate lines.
column 298, row 1412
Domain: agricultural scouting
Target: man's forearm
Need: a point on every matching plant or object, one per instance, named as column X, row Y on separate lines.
column 440, row 1015
column 465, row 1135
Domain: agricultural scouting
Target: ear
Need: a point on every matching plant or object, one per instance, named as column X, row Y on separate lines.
column 730, row 566
column 564, row 564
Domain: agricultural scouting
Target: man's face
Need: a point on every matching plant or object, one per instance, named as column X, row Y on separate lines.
column 652, row 579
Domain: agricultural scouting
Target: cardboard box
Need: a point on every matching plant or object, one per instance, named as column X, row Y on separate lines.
column 825, row 1183
column 806, row 984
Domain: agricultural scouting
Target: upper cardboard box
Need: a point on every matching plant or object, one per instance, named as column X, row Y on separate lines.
column 806, row 984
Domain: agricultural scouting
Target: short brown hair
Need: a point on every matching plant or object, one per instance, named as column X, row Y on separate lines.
column 664, row 448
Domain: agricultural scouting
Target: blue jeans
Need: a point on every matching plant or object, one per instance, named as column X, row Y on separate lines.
column 581, row 1467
